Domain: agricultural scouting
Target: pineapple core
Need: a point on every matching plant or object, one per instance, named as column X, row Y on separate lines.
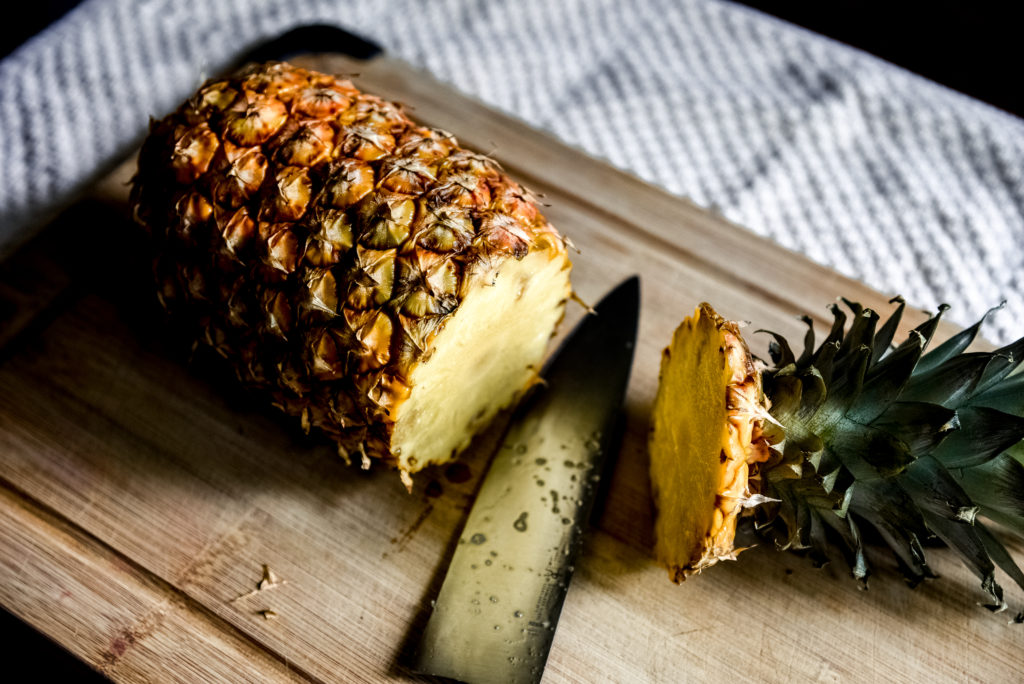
column 483, row 359
column 705, row 434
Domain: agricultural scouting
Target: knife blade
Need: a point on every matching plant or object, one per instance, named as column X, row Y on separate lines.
column 495, row 615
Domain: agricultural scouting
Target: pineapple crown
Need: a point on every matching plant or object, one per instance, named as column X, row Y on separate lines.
column 869, row 438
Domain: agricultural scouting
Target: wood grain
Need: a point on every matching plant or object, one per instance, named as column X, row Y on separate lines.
column 141, row 493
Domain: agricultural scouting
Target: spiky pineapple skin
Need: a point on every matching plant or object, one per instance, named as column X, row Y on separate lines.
column 319, row 239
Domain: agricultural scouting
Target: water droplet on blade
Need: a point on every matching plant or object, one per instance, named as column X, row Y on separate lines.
column 520, row 523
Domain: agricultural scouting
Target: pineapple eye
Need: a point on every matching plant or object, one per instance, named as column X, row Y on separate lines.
column 255, row 122
column 445, row 230
column 367, row 143
column 242, row 179
column 351, row 182
column 373, row 332
column 218, row 97
column 323, row 291
column 278, row 311
column 283, row 250
column 327, row 361
column 502, row 233
column 323, row 101
column 387, row 222
column 293, row 189
column 443, row 278
column 193, row 152
column 336, row 229
column 373, row 278
column 309, row 146
column 193, row 209
column 408, row 176
column 238, row 231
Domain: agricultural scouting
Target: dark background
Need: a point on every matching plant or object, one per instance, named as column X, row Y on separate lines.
column 973, row 47
column 970, row 46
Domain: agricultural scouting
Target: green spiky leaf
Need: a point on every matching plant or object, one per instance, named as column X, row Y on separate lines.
column 984, row 434
column 887, row 332
column 953, row 346
column 912, row 444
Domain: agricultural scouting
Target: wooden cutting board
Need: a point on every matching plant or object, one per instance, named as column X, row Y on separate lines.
column 141, row 496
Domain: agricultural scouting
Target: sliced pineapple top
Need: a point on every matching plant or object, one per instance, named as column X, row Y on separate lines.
column 916, row 447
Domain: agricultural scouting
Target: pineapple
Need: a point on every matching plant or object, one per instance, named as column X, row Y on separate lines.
column 850, row 439
column 373, row 278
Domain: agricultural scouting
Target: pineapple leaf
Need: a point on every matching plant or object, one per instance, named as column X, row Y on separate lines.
column 954, row 345
column 984, row 434
column 1004, row 361
column 787, row 393
column 998, row 488
column 813, row 393
column 824, row 360
column 838, row 324
column 779, row 350
column 848, row 380
column 852, row 548
column 949, row 513
column 888, row 330
column 1007, row 396
column 853, row 306
column 859, row 445
column 861, row 332
column 889, row 509
column 999, row 555
column 950, row 384
column 788, row 514
column 927, row 329
column 818, row 539
column 808, row 352
column 884, row 381
column 921, row 426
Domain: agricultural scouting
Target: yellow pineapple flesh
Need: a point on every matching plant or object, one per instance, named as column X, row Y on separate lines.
column 706, row 431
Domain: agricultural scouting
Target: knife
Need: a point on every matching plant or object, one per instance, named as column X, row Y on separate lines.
column 494, row 618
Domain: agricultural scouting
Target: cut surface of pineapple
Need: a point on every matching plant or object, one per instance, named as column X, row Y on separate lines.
column 489, row 351
column 705, row 433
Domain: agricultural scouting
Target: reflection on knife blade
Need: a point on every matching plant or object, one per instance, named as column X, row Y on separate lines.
column 494, row 618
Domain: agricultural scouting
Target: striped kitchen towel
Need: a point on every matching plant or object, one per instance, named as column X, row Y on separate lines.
column 858, row 164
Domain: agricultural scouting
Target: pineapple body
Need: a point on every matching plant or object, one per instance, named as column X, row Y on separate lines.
column 362, row 270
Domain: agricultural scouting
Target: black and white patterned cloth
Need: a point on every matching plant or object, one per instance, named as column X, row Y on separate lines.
column 858, row 164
